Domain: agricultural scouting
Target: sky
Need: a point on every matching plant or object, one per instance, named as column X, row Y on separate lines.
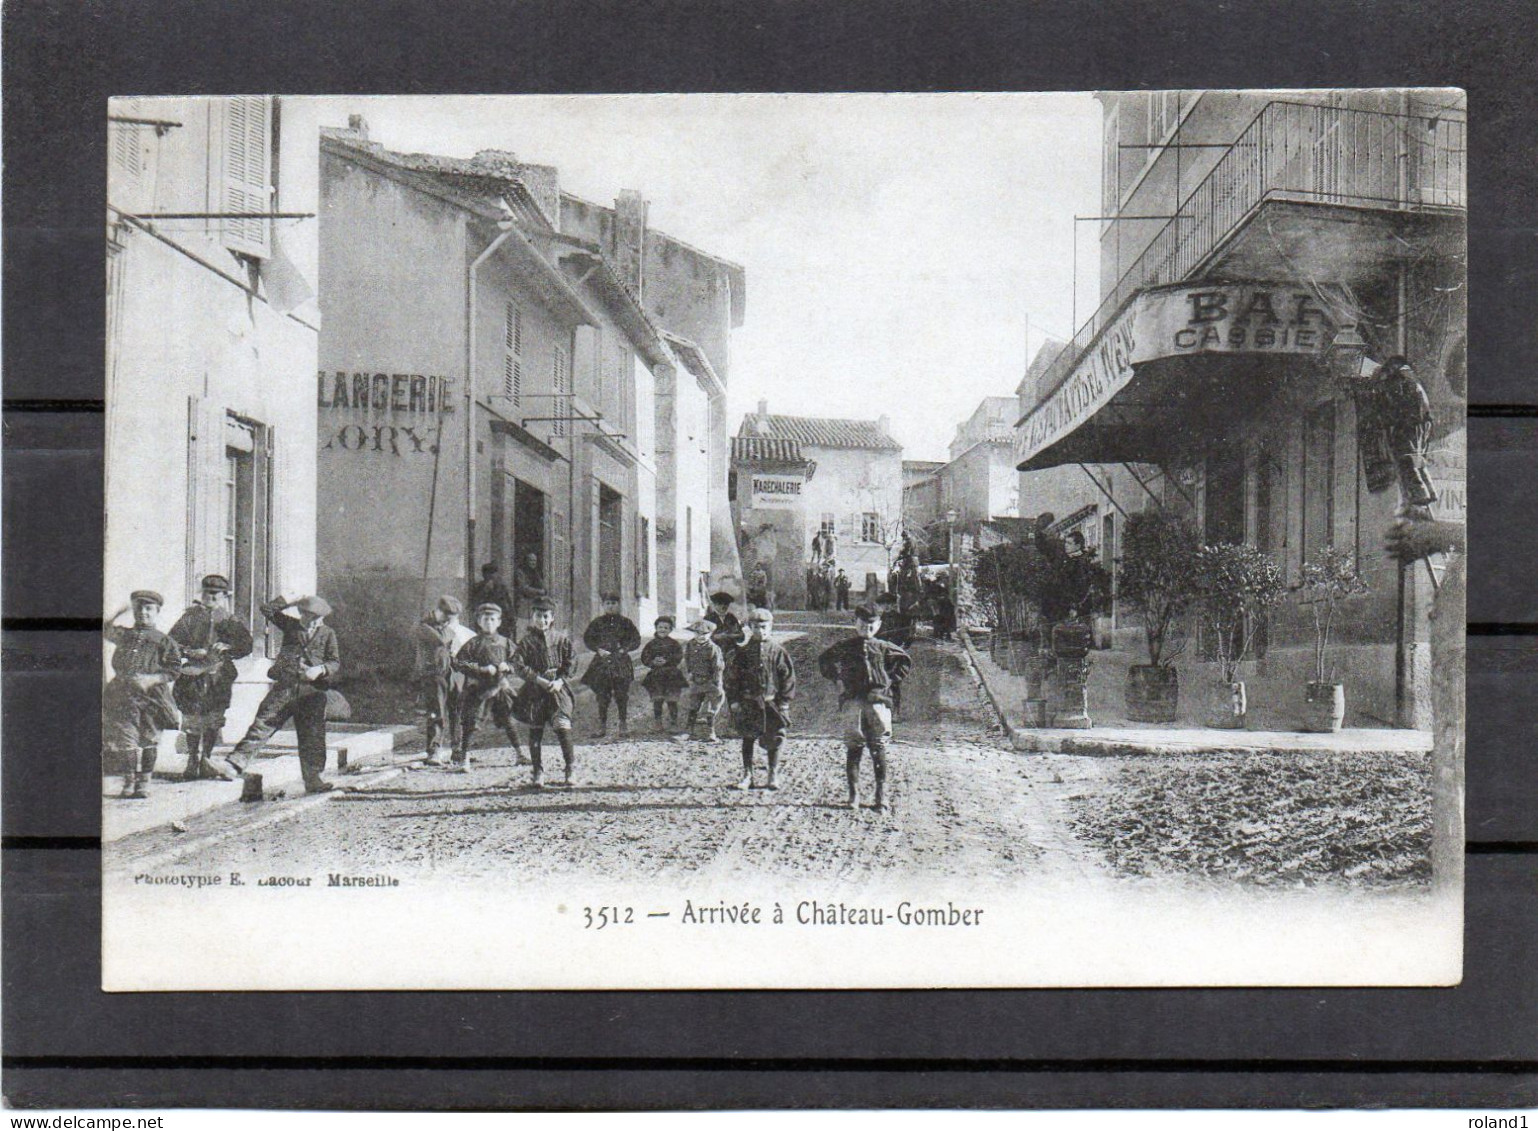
column 902, row 250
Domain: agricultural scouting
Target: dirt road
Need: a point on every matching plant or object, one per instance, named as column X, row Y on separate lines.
column 962, row 804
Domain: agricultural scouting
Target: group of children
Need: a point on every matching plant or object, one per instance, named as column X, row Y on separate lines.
column 463, row 676
column 723, row 664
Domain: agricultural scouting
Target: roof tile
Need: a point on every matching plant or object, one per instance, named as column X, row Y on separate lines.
column 820, row 432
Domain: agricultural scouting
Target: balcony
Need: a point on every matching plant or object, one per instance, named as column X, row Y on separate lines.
column 1356, row 165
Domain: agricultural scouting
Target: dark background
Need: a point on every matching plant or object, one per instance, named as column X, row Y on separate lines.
column 66, row 1044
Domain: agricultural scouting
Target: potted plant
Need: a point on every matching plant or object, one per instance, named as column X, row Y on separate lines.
column 1329, row 578
column 1237, row 584
column 1157, row 576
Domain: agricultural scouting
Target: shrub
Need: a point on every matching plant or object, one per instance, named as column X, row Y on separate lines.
column 1157, row 575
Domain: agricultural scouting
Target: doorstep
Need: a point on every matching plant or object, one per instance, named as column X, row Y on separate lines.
column 1134, row 739
column 173, row 802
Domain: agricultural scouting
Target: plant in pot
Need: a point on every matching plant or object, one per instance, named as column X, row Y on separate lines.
column 1157, row 577
column 1236, row 585
column 1329, row 579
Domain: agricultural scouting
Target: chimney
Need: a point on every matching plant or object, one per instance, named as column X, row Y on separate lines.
column 629, row 238
column 885, row 425
column 358, row 124
column 761, row 420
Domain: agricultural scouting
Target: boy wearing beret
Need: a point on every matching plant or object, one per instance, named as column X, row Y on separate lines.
column 760, row 683
column 705, row 668
column 868, row 670
column 438, row 639
column 309, row 660
column 544, row 659
column 137, row 704
column 211, row 639
column 611, row 638
column 484, row 662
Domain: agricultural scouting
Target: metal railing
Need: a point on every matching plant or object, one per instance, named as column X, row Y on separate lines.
column 1300, row 151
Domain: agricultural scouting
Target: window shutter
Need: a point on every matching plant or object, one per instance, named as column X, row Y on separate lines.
column 128, row 161
column 561, row 378
column 247, row 173
column 512, row 359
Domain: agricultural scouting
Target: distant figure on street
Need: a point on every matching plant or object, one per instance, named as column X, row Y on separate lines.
column 869, row 672
column 841, row 586
column 760, row 683
column 211, row 639
column 705, row 668
column 663, row 659
column 491, row 591
column 137, row 703
column 759, row 594
column 544, row 660
column 484, row 662
column 438, row 639
column 895, row 627
column 611, row 638
column 309, row 660
column 529, row 583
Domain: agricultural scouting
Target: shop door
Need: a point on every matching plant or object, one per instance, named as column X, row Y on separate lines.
column 610, row 544
column 1224, row 501
column 529, row 526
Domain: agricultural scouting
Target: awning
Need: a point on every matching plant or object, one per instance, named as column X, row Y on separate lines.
column 1176, row 369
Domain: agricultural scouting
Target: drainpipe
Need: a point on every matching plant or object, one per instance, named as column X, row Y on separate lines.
column 507, row 229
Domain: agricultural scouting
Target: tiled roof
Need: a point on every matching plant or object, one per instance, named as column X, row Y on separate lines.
column 820, row 432
column 923, row 465
column 759, row 449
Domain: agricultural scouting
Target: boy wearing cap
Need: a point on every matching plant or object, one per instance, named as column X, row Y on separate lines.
column 309, row 659
column 438, row 639
column 760, row 683
column 728, row 633
column 211, row 639
column 868, row 670
column 137, row 704
column 544, row 660
column 483, row 662
column 611, row 638
column 664, row 681
column 705, row 668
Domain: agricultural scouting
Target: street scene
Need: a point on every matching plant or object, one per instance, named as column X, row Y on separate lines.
column 1077, row 508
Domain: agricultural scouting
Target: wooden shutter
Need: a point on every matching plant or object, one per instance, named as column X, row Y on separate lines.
column 512, row 357
column 245, row 185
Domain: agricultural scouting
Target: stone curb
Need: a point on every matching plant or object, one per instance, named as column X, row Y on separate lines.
column 993, row 699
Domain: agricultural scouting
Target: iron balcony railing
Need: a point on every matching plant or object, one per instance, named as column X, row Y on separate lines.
column 1299, row 151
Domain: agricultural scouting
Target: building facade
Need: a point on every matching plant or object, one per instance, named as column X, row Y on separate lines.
column 1313, row 237
column 796, row 477
column 211, row 345
column 980, row 481
column 564, row 445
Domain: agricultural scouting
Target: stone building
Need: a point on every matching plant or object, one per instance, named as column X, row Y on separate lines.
column 211, row 344
column 1312, row 237
column 795, row 477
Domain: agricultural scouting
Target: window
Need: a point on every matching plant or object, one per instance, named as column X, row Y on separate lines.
column 243, row 551
column 128, row 170
column 560, row 379
column 1318, row 480
column 1110, row 164
column 512, row 355
column 1163, row 113
column 245, row 184
column 870, row 527
column 688, row 541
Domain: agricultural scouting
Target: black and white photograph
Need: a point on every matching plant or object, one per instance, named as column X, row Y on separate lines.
column 784, row 540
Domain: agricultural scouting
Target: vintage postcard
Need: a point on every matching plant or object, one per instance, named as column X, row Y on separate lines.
column 880, row 540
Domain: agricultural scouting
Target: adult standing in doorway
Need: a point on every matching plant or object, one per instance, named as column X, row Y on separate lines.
column 528, row 584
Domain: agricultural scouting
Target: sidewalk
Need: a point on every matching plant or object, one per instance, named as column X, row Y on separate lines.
column 1116, row 736
column 348, row 748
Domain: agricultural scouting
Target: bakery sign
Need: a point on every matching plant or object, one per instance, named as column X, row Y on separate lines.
column 776, row 492
column 1245, row 318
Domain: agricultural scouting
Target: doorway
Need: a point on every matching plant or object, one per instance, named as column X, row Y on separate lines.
column 529, row 528
column 1223, row 518
column 610, row 542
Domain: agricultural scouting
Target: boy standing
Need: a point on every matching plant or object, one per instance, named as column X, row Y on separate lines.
column 706, row 669
column 137, row 704
column 611, row 638
column 868, row 671
column 438, row 639
column 309, row 659
column 483, row 662
column 211, row 639
column 664, row 681
column 760, row 683
column 544, row 660
column 896, row 627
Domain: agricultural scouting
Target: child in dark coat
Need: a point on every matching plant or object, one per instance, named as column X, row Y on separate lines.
column 663, row 659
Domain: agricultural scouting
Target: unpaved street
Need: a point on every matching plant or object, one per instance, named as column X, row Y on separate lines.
column 963, row 804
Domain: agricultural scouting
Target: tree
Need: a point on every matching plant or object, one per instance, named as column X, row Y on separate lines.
column 1157, row 576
